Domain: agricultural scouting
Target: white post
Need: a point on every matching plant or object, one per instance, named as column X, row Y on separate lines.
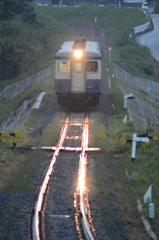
column 109, row 83
column 133, row 147
column 109, row 50
column 151, row 210
column 125, row 102
column 134, row 140
column 127, row 96
column 125, row 119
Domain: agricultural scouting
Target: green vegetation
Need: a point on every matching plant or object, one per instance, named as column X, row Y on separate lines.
column 10, row 8
column 156, row 10
column 144, row 171
column 29, row 46
column 9, row 105
column 100, row 133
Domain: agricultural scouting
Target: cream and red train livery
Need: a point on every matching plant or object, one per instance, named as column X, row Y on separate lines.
column 78, row 73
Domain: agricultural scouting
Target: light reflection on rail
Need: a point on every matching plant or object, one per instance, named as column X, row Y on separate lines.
column 38, row 209
column 81, row 182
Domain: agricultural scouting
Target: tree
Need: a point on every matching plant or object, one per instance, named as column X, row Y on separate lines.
column 11, row 8
column 6, row 9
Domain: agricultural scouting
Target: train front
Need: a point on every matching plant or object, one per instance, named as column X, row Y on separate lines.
column 78, row 73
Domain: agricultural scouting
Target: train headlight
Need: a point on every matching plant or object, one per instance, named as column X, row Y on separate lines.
column 78, row 53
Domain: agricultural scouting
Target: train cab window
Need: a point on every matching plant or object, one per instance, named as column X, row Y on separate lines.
column 78, row 67
column 64, row 67
column 92, row 66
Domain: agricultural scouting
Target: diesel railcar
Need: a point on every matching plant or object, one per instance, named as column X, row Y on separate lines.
column 78, row 73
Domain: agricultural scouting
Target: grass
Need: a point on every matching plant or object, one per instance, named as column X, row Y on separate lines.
column 25, row 172
column 14, row 165
column 52, row 134
column 144, row 171
column 100, row 133
column 30, row 93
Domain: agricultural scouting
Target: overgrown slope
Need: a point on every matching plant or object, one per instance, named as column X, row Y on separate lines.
column 26, row 46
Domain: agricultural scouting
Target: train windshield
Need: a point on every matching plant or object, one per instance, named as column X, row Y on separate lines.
column 78, row 67
column 92, row 66
column 64, row 67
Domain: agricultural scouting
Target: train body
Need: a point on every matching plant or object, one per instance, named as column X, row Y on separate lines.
column 78, row 73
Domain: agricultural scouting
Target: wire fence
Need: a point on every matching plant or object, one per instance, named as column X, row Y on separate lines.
column 144, row 85
column 141, row 28
column 16, row 88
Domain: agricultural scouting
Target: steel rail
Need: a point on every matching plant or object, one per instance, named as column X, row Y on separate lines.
column 82, row 172
column 84, row 27
column 38, row 209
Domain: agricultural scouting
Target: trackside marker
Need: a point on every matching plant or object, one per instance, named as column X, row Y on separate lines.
column 127, row 96
column 148, row 194
column 151, row 210
column 134, row 140
column 125, row 119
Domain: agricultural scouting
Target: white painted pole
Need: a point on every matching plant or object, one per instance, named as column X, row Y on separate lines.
column 125, row 102
column 125, row 119
column 127, row 96
column 109, row 83
column 134, row 140
column 133, row 147
column 151, row 210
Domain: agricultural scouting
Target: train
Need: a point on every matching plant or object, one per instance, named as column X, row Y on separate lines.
column 78, row 73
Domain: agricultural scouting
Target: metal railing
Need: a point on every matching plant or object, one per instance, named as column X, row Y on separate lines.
column 144, row 85
column 37, row 215
column 142, row 28
column 18, row 87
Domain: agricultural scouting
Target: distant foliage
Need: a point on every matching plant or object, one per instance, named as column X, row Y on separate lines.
column 10, row 8
column 133, row 61
column 28, row 43
column 12, row 53
column 156, row 10
column 6, row 7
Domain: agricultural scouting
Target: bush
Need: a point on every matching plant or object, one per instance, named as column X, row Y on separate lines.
column 27, row 41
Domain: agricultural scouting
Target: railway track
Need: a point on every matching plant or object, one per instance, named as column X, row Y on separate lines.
column 91, row 33
column 60, row 210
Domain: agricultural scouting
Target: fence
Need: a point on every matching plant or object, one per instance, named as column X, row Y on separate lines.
column 16, row 88
column 141, row 28
column 43, row 2
column 149, row 87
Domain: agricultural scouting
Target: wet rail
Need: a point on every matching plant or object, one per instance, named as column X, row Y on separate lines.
column 39, row 204
column 82, row 172
column 57, row 212
column 85, row 30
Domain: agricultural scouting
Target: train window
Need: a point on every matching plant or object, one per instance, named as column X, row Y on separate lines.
column 78, row 67
column 64, row 67
column 92, row 66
